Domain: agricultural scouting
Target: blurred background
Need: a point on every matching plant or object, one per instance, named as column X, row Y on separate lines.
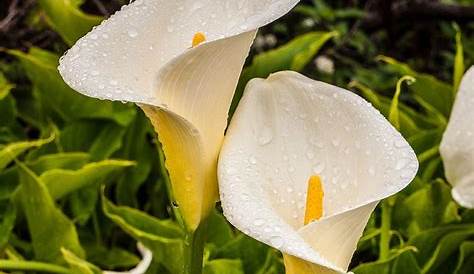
column 365, row 46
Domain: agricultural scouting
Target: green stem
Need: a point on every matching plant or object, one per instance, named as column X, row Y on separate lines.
column 194, row 249
column 385, row 230
column 96, row 225
column 32, row 266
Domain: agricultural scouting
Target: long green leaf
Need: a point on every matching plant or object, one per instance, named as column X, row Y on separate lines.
column 13, row 150
column 78, row 265
column 49, row 228
column 466, row 258
column 41, row 68
column 163, row 237
column 228, row 266
column 67, row 19
column 458, row 60
column 384, row 266
column 61, row 182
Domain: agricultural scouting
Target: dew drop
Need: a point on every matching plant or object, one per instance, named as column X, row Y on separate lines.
column 318, row 168
column 259, row 222
column 371, row 171
column 132, row 33
column 276, row 241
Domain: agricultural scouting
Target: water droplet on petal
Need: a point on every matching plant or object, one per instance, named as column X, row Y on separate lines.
column 259, row 222
column 276, row 241
column 132, row 33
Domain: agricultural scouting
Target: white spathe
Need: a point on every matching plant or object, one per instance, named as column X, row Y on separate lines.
column 288, row 128
column 143, row 54
column 457, row 146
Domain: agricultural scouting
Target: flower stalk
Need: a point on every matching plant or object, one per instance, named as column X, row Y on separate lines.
column 194, row 249
column 385, row 229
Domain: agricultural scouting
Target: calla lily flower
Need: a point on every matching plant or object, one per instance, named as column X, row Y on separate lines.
column 180, row 61
column 303, row 166
column 457, row 146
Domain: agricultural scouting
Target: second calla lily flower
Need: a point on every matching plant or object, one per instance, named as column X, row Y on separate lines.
column 180, row 60
column 457, row 146
column 303, row 166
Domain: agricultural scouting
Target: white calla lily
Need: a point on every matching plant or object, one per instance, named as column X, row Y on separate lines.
column 457, row 146
column 297, row 148
column 142, row 266
column 180, row 61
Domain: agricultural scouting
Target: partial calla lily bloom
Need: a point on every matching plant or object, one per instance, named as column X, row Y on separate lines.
column 457, row 146
column 180, row 61
column 303, row 166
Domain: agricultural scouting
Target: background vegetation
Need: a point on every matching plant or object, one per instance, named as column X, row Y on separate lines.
column 80, row 179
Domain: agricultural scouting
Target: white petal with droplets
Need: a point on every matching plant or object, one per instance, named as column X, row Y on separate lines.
column 457, row 146
column 315, row 129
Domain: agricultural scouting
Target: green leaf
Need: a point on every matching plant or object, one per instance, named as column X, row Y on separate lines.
column 41, row 68
column 438, row 244
column 434, row 92
column 394, row 113
column 292, row 56
column 111, row 257
column 5, row 86
column 72, row 161
column 83, row 203
column 252, row 253
column 458, row 61
column 78, row 265
column 8, row 111
column 220, row 266
column 163, row 237
column 47, row 162
column 9, row 152
column 43, row 218
column 136, row 147
column 406, row 264
column 7, row 222
column 9, row 182
column 61, row 182
column 219, row 230
column 426, row 139
column 384, row 266
column 107, row 142
column 101, row 140
column 425, row 209
column 466, row 258
column 67, row 19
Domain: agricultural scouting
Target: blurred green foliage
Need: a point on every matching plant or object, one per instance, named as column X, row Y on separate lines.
column 80, row 179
